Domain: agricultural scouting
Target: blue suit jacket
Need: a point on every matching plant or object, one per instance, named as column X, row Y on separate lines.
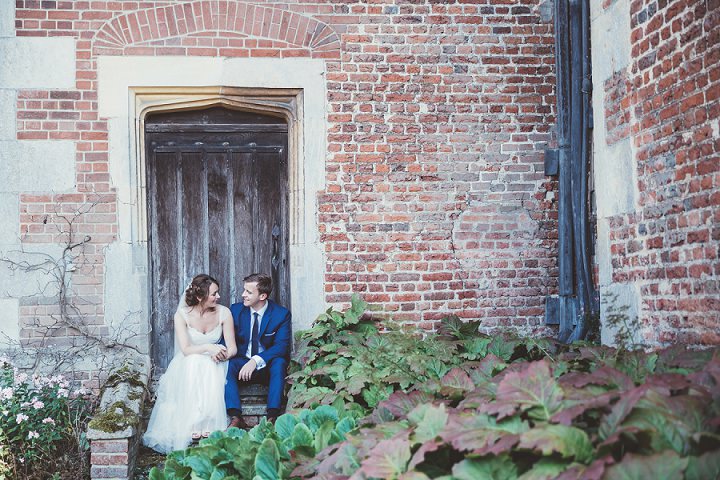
column 275, row 331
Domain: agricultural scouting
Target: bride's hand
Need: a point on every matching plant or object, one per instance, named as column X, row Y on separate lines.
column 217, row 352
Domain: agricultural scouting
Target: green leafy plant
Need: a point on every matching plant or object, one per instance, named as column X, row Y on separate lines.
column 381, row 401
column 267, row 452
column 41, row 422
column 522, row 419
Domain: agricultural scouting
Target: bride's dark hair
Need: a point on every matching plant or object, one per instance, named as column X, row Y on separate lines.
column 199, row 289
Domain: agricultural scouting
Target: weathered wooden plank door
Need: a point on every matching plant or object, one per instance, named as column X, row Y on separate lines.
column 217, row 185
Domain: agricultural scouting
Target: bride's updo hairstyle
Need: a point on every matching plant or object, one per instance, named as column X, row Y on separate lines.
column 199, row 289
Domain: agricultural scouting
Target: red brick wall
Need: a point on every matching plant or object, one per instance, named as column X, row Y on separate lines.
column 668, row 103
column 438, row 113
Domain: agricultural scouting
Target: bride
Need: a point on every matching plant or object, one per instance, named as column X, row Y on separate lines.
column 190, row 400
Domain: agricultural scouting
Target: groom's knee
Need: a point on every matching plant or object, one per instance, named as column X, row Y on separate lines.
column 278, row 365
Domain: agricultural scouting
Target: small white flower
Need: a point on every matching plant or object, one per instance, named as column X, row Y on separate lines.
column 63, row 393
column 37, row 405
column 20, row 378
column 20, row 417
column 48, row 420
column 6, row 393
column 33, row 434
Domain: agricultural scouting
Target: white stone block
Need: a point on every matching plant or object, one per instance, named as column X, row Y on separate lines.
column 9, row 219
column 31, row 166
column 610, row 39
column 124, row 292
column 37, row 62
column 615, row 179
column 7, row 18
column 7, row 114
column 619, row 308
column 9, row 320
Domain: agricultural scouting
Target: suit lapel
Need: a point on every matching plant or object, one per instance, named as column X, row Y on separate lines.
column 266, row 319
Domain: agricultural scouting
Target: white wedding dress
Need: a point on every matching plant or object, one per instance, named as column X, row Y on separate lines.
column 190, row 397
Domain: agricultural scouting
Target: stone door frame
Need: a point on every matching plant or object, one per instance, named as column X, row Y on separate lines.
column 132, row 87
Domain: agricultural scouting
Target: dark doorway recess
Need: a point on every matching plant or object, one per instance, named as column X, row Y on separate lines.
column 217, row 196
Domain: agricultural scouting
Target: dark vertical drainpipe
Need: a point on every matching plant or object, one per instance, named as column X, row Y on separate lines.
column 577, row 298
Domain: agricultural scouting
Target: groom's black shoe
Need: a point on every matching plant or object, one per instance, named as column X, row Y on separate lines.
column 238, row 422
column 272, row 414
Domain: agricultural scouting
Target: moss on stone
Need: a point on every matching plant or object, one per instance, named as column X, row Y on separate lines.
column 124, row 375
column 115, row 418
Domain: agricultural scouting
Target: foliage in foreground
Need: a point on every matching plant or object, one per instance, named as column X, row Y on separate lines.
column 267, row 451
column 42, row 426
column 461, row 405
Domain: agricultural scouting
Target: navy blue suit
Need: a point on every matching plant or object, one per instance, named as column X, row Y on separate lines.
column 275, row 336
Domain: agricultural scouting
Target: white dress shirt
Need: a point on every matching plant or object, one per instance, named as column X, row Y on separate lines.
column 258, row 359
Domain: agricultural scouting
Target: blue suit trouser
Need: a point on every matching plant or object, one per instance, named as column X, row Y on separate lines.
column 273, row 375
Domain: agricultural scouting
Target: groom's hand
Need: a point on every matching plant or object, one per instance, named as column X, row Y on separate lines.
column 247, row 370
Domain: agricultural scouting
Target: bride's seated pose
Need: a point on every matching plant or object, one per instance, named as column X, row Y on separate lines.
column 190, row 399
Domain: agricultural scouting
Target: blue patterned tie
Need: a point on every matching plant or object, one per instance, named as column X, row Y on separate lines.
column 256, row 327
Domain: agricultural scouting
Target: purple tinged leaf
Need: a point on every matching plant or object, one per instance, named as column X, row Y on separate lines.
column 665, row 382
column 455, row 383
column 480, row 432
column 503, row 444
column 595, row 471
column 419, row 456
column 567, row 415
column 605, row 376
column 388, row 459
column 401, row 403
column 487, row 368
column 532, row 389
column 623, row 407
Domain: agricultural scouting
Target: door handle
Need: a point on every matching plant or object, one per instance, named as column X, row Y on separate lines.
column 275, row 260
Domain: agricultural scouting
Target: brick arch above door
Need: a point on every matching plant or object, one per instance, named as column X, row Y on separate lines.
column 238, row 27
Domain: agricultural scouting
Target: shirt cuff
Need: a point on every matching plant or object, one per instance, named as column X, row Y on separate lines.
column 259, row 362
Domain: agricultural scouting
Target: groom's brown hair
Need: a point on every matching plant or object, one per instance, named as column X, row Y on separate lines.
column 264, row 282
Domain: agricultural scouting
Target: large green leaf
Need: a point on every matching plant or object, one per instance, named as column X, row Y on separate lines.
column 704, row 467
column 429, row 421
column 301, row 436
column 532, row 389
column 569, row 442
column 638, row 467
column 502, row 348
column 544, row 469
column 492, row 467
column 284, row 425
column 388, row 459
column 267, row 461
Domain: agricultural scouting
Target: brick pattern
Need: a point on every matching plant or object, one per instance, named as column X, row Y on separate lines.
column 668, row 103
column 438, row 114
column 111, row 459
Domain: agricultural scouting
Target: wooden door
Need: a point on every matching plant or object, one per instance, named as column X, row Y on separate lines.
column 217, row 184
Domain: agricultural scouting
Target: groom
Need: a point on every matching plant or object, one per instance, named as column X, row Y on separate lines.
column 263, row 334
